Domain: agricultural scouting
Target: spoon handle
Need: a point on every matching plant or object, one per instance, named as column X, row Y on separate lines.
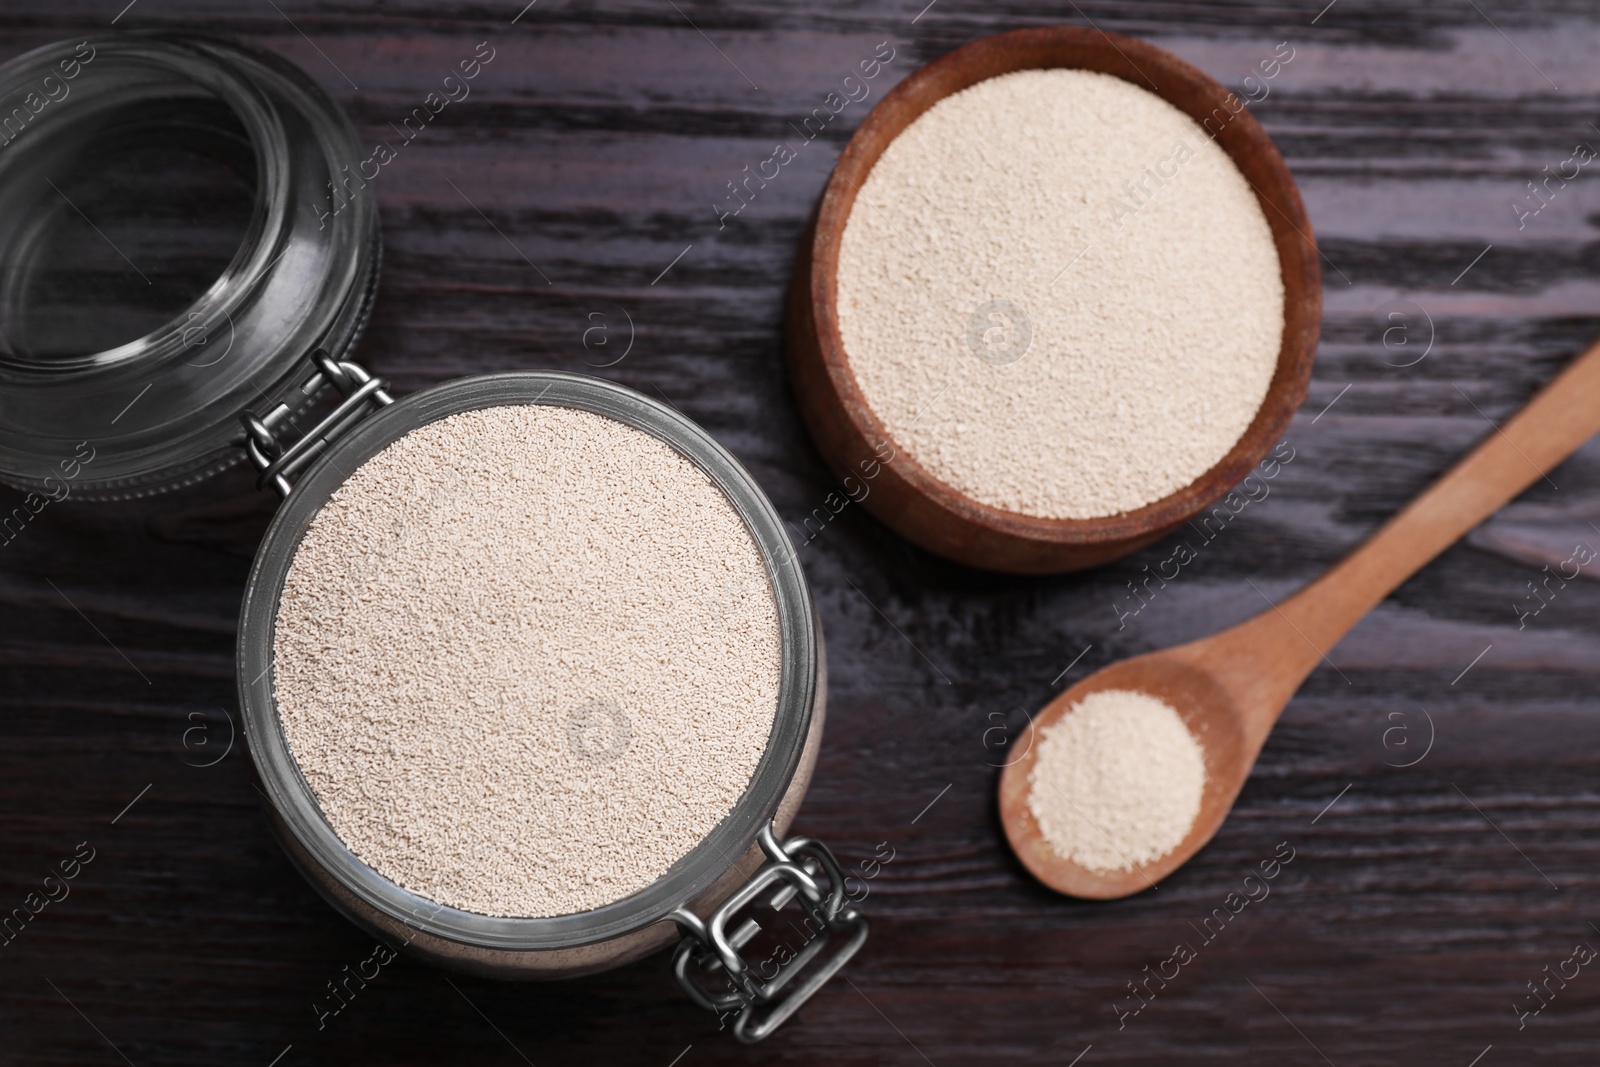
column 1278, row 648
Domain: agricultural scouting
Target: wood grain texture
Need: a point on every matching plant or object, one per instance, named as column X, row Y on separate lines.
column 598, row 142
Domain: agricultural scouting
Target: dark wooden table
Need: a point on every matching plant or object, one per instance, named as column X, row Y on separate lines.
column 1439, row 789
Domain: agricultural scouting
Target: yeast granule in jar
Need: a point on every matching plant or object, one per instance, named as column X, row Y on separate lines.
column 526, row 657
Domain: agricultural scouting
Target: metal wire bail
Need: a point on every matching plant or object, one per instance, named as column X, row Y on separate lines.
column 708, row 949
column 277, row 462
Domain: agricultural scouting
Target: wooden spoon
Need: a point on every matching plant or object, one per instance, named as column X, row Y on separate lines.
column 1231, row 687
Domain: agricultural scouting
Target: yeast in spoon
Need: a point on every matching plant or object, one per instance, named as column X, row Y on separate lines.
column 1117, row 781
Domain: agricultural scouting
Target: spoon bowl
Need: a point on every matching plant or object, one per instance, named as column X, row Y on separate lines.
column 1230, row 688
column 1207, row 709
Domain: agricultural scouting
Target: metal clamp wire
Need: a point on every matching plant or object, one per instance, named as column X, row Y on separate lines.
column 790, row 872
column 276, row 462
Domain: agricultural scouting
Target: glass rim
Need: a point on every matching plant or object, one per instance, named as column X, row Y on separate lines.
column 185, row 59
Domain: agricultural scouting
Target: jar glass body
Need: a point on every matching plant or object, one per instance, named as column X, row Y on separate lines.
column 569, row 944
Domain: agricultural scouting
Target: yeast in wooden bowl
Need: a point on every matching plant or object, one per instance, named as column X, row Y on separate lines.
column 888, row 478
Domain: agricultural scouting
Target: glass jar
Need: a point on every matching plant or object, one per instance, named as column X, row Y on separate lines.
column 179, row 230
column 699, row 899
column 110, row 126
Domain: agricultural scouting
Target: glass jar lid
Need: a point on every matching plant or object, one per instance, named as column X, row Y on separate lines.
column 180, row 224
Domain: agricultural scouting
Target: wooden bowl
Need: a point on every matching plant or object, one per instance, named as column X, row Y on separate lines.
column 855, row 443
